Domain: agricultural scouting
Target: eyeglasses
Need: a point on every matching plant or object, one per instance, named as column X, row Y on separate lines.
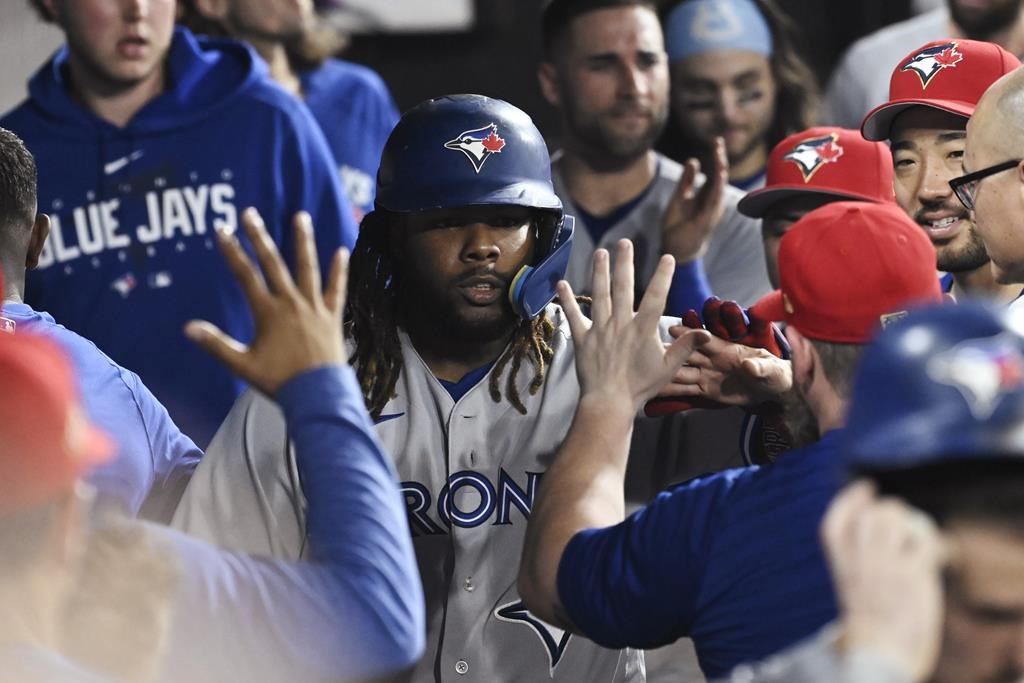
column 966, row 186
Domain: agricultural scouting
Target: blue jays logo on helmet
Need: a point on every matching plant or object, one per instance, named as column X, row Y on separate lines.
column 812, row 154
column 478, row 144
column 982, row 370
column 927, row 63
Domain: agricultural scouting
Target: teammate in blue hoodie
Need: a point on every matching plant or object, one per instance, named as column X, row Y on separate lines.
column 350, row 102
column 147, row 140
column 154, row 459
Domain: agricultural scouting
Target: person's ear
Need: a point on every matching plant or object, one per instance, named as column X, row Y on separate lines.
column 36, row 242
column 805, row 358
column 547, row 77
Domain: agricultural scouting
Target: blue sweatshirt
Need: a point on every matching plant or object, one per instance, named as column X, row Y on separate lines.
column 152, row 451
column 355, row 612
column 131, row 255
column 356, row 114
column 731, row 560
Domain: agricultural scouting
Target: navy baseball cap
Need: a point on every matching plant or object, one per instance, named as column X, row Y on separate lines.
column 944, row 384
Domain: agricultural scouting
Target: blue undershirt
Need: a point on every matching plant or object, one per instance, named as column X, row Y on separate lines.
column 458, row 389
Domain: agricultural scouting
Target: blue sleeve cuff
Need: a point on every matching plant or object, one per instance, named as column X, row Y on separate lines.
column 689, row 289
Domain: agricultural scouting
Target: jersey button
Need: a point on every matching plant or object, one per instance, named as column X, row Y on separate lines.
column 461, row 667
column 468, row 585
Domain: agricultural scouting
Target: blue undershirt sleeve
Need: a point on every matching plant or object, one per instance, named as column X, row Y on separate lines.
column 689, row 288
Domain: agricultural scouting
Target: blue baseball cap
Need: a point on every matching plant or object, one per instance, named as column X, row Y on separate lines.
column 943, row 384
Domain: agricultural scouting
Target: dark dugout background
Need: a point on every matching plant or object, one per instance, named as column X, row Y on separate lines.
column 499, row 56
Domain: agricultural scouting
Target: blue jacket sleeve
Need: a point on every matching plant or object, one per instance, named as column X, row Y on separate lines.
column 356, row 611
column 689, row 288
column 637, row 584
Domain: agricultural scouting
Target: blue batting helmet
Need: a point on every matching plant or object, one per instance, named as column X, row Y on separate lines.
column 465, row 150
column 944, row 384
column 472, row 150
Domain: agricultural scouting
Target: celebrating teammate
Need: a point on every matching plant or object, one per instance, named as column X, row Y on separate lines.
column 140, row 602
column 933, row 91
column 605, row 69
column 810, row 169
column 993, row 176
column 736, row 74
column 706, row 559
column 147, row 140
column 929, row 573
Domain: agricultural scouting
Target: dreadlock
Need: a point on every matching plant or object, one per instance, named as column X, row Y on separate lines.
column 374, row 314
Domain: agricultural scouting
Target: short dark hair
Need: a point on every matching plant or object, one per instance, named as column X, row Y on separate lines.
column 971, row 489
column 839, row 362
column 18, row 177
column 557, row 15
column 41, row 10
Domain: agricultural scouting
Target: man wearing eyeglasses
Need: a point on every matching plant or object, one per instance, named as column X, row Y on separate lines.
column 993, row 184
column 932, row 93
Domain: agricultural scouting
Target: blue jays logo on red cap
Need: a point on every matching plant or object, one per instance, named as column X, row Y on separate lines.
column 982, row 370
column 927, row 63
column 812, row 154
column 478, row 144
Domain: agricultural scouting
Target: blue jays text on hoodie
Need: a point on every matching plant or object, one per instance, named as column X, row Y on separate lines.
column 132, row 254
column 356, row 114
column 152, row 453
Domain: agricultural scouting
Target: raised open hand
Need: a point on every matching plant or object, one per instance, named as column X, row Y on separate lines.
column 297, row 327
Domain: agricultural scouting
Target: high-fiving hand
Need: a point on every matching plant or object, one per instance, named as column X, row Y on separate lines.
column 620, row 355
column 298, row 328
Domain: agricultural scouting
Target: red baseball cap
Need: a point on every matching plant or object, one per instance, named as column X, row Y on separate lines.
column 847, row 268
column 947, row 74
column 46, row 442
column 836, row 162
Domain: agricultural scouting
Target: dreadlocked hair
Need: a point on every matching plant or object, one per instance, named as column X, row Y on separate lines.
column 374, row 315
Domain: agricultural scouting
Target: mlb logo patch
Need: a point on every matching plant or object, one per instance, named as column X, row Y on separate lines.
column 810, row 155
column 928, row 63
column 478, row 144
column 7, row 325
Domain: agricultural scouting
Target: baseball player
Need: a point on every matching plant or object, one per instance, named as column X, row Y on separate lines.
column 141, row 602
column 144, row 136
column 991, row 176
column 154, row 459
column 607, row 173
column 810, row 169
column 707, row 559
column 736, row 72
column 469, row 374
column 934, row 429
column 932, row 93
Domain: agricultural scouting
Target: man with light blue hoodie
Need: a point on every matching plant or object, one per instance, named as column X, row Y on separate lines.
column 147, row 140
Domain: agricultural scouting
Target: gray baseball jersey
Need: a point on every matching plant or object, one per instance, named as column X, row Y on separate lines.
column 469, row 470
column 861, row 81
column 734, row 261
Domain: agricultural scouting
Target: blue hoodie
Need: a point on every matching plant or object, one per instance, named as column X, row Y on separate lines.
column 356, row 114
column 131, row 255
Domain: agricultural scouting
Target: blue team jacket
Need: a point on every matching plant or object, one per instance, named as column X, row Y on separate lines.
column 131, row 255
